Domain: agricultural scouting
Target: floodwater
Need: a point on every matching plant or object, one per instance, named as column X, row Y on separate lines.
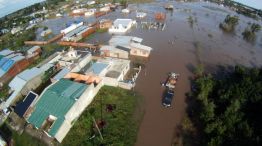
column 159, row 124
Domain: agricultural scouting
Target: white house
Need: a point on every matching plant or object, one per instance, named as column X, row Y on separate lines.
column 140, row 14
column 125, row 11
column 90, row 12
column 121, row 26
column 91, row 3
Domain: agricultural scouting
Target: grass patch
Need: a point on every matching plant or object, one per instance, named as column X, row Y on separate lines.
column 121, row 124
column 101, row 30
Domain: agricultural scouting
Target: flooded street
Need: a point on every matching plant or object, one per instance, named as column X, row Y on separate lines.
column 159, row 124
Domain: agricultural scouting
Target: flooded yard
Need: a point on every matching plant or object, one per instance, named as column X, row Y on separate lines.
column 174, row 50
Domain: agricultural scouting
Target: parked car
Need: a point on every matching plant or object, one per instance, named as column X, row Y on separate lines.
column 167, row 99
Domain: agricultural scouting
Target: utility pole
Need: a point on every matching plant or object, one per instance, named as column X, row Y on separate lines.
column 97, row 128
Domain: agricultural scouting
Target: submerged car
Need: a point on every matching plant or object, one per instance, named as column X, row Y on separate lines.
column 167, row 99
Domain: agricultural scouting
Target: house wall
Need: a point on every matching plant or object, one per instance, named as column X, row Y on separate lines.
column 32, row 84
column 110, row 81
column 64, row 129
column 119, row 54
column 139, row 52
column 14, row 70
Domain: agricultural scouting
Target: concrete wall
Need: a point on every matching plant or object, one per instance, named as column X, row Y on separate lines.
column 82, row 63
column 139, row 52
column 64, row 129
column 110, row 81
column 32, row 84
column 119, row 54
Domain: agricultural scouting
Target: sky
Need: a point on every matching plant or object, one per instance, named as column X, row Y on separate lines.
column 10, row 6
column 252, row 3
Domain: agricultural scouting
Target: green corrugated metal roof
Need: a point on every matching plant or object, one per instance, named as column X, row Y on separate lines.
column 56, row 101
column 1, row 56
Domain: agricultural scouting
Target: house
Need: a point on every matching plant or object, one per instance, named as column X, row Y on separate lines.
column 140, row 50
column 121, row 26
column 105, row 23
column 11, row 64
column 35, row 50
column 25, row 81
column 91, row 3
column 62, row 103
column 132, row 43
column 90, row 12
column 115, row 51
column 140, row 14
column 111, row 70
column 105, row 9
column 16, row 30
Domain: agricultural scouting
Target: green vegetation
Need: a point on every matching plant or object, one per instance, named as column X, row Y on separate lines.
column 249, row 33
column 101, row 30
column 19, row 140
column 227, row 109
column 4, row 91
column 190, row 21
column 118, row 110
column 16, row 41
column 229, row 23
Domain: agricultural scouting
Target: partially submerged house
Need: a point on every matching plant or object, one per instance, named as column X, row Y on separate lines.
column 90, row 12
column 105, row 23
column 62, row 103
column 140, row 14
column 115, row 51
column 121, row 26
column 130, row 44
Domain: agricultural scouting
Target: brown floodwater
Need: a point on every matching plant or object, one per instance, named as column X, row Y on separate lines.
column 159, row 124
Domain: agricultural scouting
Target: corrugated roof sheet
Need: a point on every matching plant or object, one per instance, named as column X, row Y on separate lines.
column 61, row 74
column 33, row 49
column 56, row 101
column 136, row 39
column 110, row 48
column 120, row 40
column 18, row 58
column 98, row 67
column 139, row 46
column 30, row 73
column 6, row 52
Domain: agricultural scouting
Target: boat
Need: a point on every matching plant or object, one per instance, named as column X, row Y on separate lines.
column 170, row 83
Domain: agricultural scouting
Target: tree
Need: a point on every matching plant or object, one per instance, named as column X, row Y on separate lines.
column 255, row 28
column 229, row 23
